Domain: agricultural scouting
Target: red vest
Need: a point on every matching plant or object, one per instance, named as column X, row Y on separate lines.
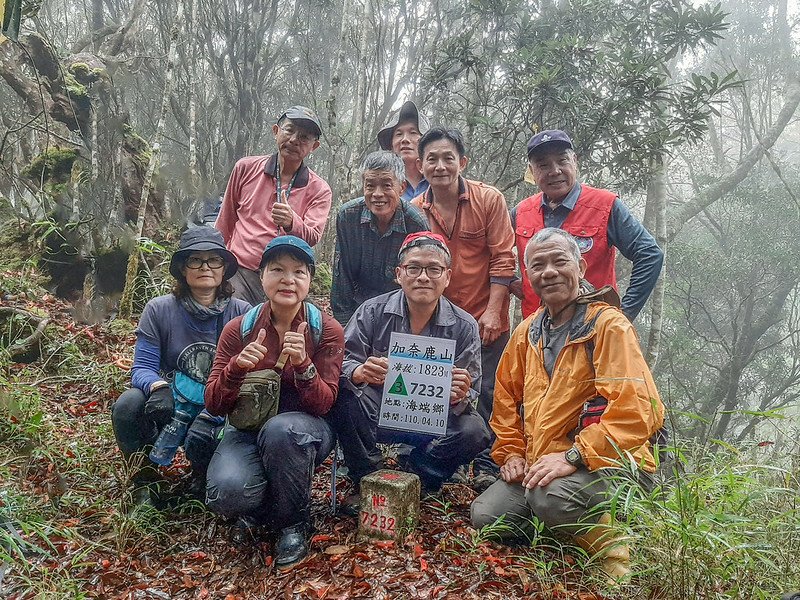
column 587, row 222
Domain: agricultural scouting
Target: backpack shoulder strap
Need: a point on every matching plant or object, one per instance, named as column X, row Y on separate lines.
column 313, row 317
column 314, row 320
column 249, row 320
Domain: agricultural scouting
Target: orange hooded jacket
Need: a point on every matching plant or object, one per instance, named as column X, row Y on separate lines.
column 551, row 408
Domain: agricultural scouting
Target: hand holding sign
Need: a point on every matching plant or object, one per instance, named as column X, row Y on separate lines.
column 252, row 354
column 460, row 387
column 420, row 384
column 372, row 372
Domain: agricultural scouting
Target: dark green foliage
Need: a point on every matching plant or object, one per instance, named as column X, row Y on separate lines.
column 600, row 69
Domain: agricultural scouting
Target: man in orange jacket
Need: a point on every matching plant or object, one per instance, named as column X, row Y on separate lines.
column 588, row 400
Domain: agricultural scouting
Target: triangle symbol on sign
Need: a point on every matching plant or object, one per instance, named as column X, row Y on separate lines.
column 399, row 387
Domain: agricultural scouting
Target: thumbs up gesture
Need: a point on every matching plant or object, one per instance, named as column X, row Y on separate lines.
column 294, row 344
column 252, row 354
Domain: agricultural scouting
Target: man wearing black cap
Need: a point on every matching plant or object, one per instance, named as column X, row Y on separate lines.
column 401, row 135
column 268, row 196
column 596, row 218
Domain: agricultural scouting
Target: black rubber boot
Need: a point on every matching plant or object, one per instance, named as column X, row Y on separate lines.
column 292, row 548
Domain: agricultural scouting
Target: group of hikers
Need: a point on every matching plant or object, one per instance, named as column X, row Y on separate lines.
column 541, row 420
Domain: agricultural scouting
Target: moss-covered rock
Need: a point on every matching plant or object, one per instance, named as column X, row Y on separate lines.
column 52, row 166
column 136, row 145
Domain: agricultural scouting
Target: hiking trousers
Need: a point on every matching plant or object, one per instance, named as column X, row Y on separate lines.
column 266, row 474
column 136, row 433
column 567, row 504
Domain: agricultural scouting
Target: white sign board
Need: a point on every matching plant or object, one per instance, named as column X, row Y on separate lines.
column 416, row 393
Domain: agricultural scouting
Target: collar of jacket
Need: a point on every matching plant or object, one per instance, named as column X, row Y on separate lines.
column 302, row 172
column 581, row 330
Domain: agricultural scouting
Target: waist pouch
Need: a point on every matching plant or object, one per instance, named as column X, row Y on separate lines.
column 186, row 389
column 258, row 400
column 591, row 413
column 594, row 409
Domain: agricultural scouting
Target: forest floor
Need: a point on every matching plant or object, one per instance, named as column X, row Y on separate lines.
column 67, row 529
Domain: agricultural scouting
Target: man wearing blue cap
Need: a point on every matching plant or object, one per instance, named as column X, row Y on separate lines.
column 596, row 218
column 268, row 196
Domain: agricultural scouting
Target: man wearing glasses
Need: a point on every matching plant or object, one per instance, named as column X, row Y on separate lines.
column 418, row 308
column 273, row 195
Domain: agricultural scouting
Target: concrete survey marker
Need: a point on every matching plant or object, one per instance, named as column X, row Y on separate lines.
column 389, row 505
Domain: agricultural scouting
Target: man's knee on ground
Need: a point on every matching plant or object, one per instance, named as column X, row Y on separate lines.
column 483, row 512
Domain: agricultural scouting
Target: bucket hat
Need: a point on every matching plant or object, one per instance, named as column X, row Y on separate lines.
column 407, row 112
column 202, row 239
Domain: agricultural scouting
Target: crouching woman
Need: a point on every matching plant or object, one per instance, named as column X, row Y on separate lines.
column 175, row 343
column 275, row 374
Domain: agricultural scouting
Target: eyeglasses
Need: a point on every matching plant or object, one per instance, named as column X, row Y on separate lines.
column 213, row 262
column 300, row 136
column 432, row 271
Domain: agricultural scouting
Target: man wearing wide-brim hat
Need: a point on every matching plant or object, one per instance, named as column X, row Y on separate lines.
column 596, row 218
column 273, row 195
column 401, row 135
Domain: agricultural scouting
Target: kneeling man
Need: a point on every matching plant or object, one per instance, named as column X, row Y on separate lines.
column 417, row 308
column 570, row 358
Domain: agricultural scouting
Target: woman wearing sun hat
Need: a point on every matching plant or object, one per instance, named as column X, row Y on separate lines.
column 176, row 340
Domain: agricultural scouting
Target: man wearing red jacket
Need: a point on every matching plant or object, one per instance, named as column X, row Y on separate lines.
column 596, row 218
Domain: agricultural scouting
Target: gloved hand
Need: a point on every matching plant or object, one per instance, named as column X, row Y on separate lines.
column 160, row 406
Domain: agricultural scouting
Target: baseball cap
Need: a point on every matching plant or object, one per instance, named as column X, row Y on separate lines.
column 295, row 246
column 423, row 238
column 303, row 116
column 202, row 238
column 547, row 139
column 407, row 112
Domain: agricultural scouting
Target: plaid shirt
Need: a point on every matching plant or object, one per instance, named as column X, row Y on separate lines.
column 365, row 260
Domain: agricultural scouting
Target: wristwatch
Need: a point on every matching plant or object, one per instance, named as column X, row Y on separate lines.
column 573, row 456
column 308, row 374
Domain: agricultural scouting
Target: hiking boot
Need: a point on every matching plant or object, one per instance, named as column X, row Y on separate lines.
column 243, row 532
column 292, row 548
column 461, row 476
column 351, row 505
column 482, row 481
column 142, row 496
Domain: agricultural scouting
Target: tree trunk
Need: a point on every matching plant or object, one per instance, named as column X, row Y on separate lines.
column 656, row 222
column 337, row 171
column 126, row 302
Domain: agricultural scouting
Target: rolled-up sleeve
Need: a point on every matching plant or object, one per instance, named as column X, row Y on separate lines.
column 500, row 241
column 637, row 245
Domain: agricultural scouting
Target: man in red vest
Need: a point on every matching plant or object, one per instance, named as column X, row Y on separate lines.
column 596, row 218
